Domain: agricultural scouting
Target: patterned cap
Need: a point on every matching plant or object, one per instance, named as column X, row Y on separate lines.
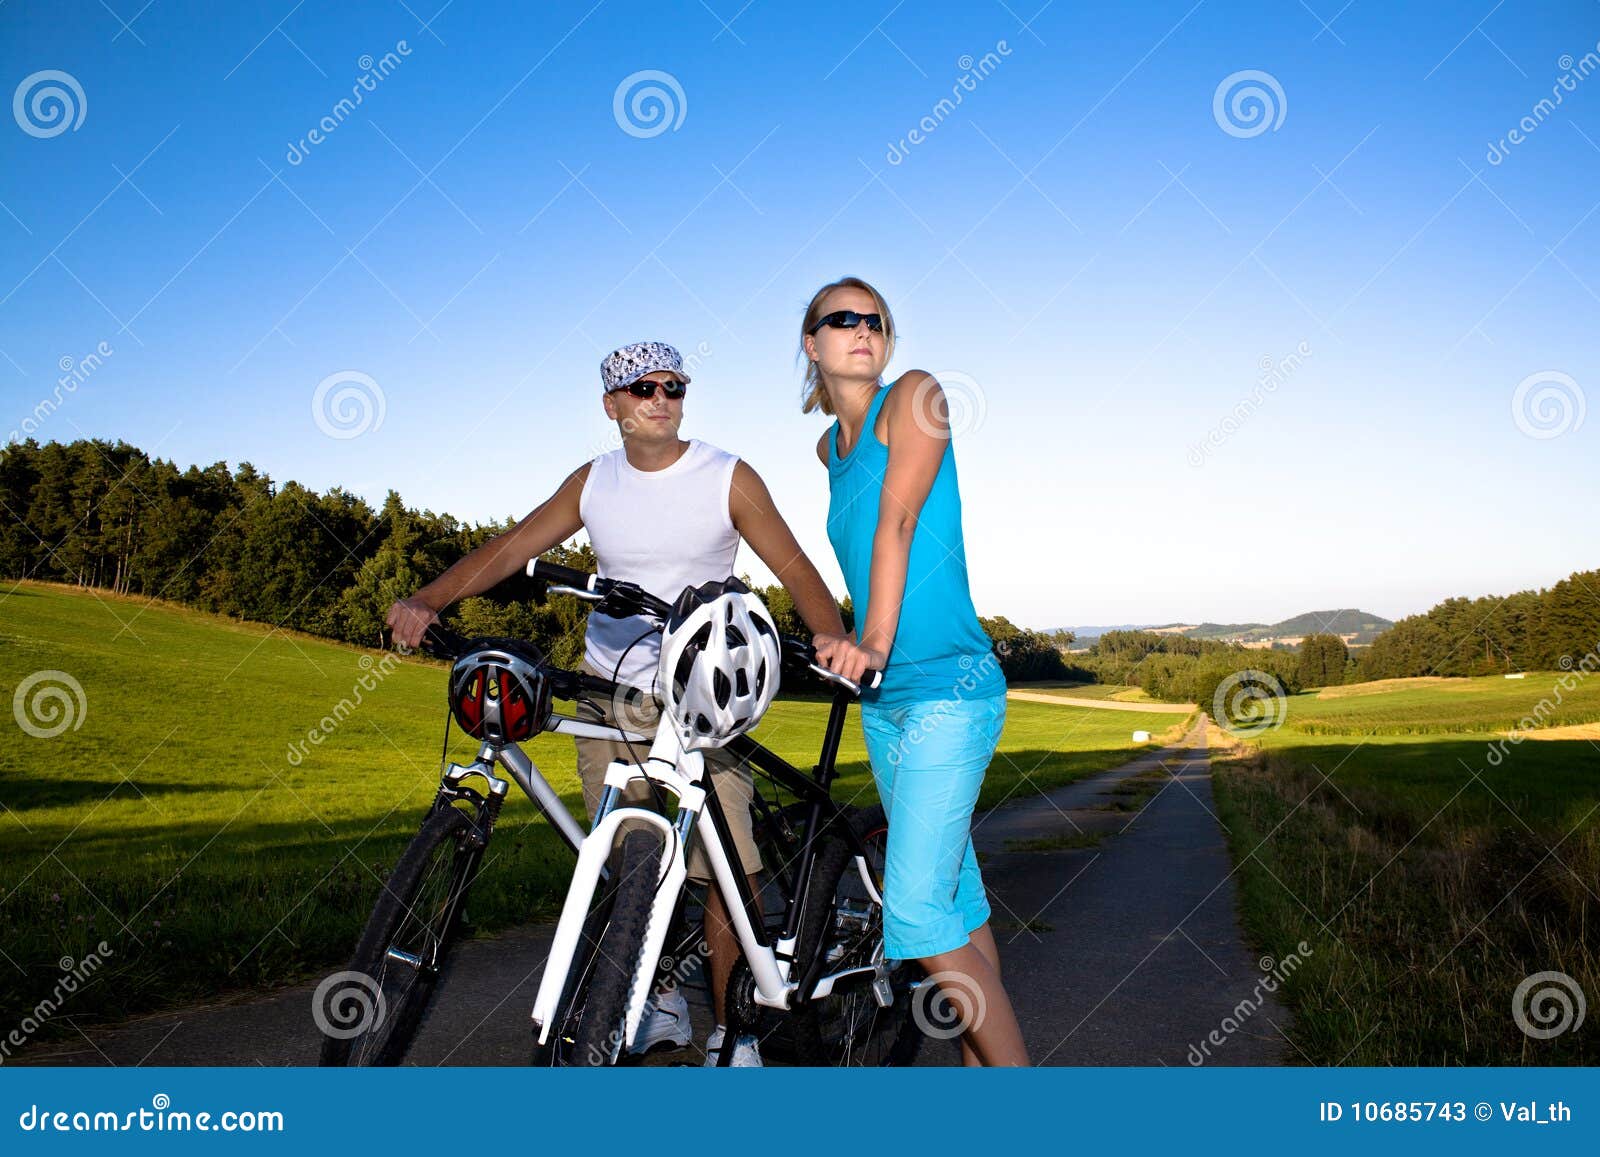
column 632, row 362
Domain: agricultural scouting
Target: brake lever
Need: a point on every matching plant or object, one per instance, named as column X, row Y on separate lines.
column 839, row 680
column 627, row 600
column 587, row 596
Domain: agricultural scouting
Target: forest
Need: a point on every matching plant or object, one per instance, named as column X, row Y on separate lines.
column 234, row 542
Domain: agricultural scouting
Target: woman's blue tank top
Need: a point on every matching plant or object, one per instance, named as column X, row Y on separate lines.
column 940, row 650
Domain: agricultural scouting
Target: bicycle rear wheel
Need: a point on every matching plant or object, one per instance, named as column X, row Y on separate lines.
column 404, row 948
column 590, row 1016
column 851, row 1027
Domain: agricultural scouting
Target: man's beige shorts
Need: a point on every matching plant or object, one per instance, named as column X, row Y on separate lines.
column 732, row 781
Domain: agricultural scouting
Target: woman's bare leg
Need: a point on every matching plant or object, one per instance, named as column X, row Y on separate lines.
column 983, row 940
column 972, row 985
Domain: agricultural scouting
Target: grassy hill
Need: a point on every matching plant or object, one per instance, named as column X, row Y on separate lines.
column 176, row 820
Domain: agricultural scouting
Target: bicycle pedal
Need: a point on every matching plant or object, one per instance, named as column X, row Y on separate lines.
column 882, row 992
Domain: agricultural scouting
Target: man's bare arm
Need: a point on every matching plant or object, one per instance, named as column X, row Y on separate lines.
column 755, row 516
column 553, row 521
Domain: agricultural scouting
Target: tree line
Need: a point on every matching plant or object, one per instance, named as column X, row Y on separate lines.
column 234, row 542
column 1179, row 669
column 1547, row 629
column 1530, row 630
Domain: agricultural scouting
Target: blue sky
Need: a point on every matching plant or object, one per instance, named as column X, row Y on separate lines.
column 1082, row 249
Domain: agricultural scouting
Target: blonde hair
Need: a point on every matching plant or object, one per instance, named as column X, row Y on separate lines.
column 816, row 393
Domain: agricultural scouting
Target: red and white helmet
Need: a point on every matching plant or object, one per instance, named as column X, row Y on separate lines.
column 719, row 663
column 499, row 691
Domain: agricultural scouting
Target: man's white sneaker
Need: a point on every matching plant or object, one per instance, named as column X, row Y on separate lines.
column 746, row 1051
column 666, row 1018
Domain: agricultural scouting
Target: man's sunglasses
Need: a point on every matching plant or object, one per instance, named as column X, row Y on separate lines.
column 673, row 390
column 849, row 319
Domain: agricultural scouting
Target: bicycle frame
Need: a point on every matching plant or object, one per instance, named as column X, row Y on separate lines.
column 682, row 773
column 527, row 776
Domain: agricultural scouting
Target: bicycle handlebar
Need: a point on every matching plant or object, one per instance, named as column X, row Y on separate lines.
column 621, row 599
column 627, row 598
column 441, row 642
column 539, row 569
column 800, row 651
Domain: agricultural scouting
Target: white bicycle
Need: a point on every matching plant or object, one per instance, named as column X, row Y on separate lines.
column 813, row 981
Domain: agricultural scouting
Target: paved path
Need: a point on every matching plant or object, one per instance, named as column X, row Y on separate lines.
column 1129, row 952
column 1124, row 953
column 1102, row 704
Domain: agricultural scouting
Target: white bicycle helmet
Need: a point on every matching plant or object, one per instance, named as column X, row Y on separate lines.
column 719, row 663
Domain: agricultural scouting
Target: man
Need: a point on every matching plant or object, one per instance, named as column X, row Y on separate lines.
column 664, row 513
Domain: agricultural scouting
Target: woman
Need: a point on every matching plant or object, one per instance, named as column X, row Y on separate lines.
column 894, row 518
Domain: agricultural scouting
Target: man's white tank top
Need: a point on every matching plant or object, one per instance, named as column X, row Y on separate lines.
column 662, row 529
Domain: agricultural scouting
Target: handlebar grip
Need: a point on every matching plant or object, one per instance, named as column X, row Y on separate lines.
column 802, row 651
column 620, row 600
column 538, row 568
column 441, row 642
column 596, row 684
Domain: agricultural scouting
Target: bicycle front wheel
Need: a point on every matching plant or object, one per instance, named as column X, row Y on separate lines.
column 590, row 1016
column 370, row 1014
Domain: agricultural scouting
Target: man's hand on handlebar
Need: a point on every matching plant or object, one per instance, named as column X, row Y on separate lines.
column 408, row 619
column 843, row 657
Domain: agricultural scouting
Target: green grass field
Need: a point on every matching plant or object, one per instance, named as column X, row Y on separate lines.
column 1446, row 706
column 173, row 824
column 1432, row 865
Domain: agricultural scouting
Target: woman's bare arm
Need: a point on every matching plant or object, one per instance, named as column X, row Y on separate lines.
column 919, row 432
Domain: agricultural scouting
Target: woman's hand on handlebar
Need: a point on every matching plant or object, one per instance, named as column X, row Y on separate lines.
column 843, row 657
column 409, row 619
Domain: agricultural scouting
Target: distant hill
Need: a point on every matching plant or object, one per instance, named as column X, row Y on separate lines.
column 1095, row 632
column 1225, row 630
column 1364, row 625
column 1354, row 626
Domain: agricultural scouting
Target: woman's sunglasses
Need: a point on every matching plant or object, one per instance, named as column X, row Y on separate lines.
column 849, row 319
column 673, row 390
